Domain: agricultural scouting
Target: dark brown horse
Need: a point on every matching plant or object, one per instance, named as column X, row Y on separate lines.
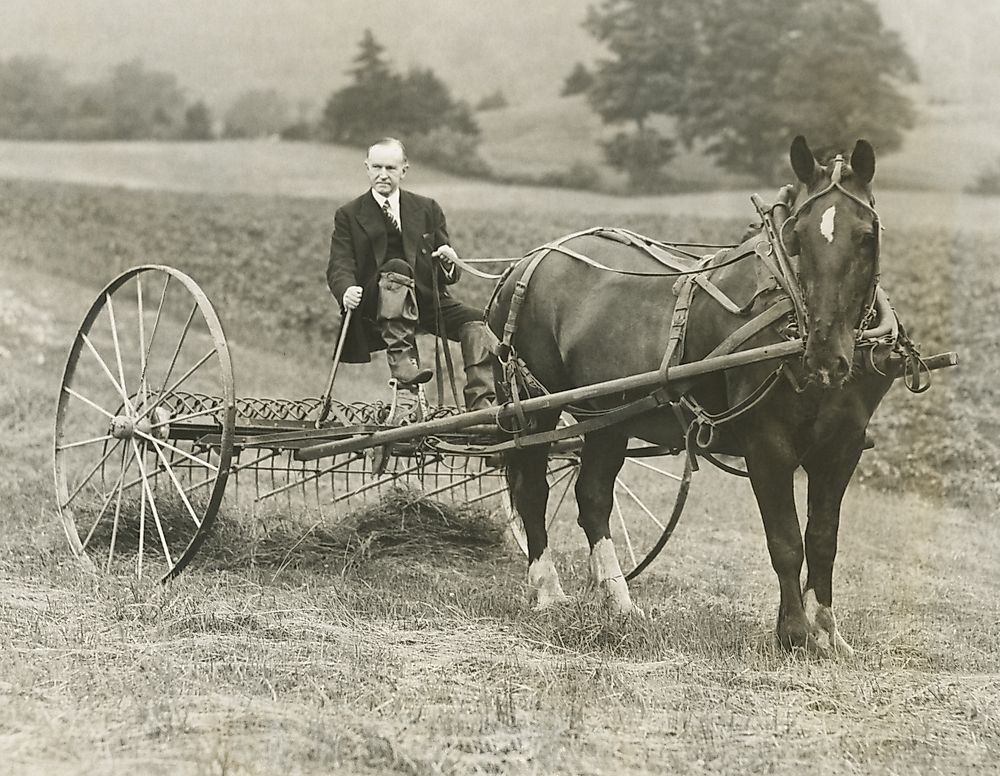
column 580, row 324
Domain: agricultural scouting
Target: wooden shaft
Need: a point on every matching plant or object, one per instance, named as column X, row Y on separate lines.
column 553, row 400
column 328, row 394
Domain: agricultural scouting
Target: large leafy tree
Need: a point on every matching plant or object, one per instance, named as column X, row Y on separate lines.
column 740, row 79
column 33, row 98
column 651, row 44
column 380, row 101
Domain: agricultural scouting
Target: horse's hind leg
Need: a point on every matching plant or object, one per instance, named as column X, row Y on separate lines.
column 829, row 475
column 529, row 492
column 600, row 461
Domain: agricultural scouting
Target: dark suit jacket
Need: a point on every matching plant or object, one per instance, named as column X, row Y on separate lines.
column 358, row 248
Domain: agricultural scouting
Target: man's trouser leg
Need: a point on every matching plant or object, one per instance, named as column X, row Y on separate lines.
column 397, row 317
column 477, row 358
column 464, row 324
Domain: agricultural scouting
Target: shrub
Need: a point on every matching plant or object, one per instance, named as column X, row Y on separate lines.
column 449, row 150
column 987, row 182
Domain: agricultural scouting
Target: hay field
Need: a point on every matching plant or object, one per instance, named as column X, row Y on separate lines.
column 431, row 664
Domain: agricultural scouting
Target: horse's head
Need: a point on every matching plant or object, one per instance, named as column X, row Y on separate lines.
column 834, row 230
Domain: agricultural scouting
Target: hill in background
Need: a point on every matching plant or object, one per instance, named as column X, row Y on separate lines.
column 303, row 48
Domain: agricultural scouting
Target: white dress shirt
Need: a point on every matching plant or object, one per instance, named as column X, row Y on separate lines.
column 393, row 200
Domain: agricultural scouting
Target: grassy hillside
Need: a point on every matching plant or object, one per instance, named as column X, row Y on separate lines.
column 429, row 663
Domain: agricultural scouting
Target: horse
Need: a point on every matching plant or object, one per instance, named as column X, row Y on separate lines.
column 580, row 324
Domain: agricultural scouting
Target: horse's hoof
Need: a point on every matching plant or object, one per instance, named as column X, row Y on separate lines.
column 823, row 629
column 547, row 597
column 548, row 603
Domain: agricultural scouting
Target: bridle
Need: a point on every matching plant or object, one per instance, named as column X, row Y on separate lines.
column 792, row 279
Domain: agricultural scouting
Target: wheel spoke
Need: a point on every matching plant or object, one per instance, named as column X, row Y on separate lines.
column 152, row 504
column 571, row 474
column 87, row 401
column 118, row 350
column 631, row 494
column 173, row 360
column 84, row 442
column 645, row 465
column 115, row 489
column 180, row 489
column 628, row 539
column 104, row 366
column 168, row 446
column 152, row 336
column 90, row 474
column 144, row 393
column 118, row 512
column 167, row 391
column 190, row 416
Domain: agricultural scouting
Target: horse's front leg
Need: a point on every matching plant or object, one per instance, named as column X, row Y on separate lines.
column 771, row 465
column 601, row 459
column 830, row 470
column 529, row 493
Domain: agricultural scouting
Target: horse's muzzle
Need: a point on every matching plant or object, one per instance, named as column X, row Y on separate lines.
column 831, row 376
column 828, row 362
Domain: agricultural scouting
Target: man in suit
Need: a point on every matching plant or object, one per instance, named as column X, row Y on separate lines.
column 391, row 263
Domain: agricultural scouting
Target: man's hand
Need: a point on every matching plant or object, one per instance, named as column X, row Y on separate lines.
column 447, row 256
column 352, row 297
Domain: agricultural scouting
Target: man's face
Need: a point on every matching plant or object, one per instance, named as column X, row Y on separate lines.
column 386, row 168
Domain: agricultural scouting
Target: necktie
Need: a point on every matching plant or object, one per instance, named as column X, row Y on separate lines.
column 389, row 217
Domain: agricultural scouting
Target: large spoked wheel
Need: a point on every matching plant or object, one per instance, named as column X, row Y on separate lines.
column 139, row 478
column 649, row 497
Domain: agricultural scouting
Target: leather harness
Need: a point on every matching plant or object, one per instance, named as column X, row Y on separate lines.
column 694, row 272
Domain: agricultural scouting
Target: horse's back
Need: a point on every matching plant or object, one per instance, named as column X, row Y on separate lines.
column 580, row 324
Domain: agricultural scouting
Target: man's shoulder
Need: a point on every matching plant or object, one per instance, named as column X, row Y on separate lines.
column 418, row 199
column 355, row 204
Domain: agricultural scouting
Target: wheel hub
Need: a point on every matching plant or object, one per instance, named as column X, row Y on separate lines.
column 154, row 424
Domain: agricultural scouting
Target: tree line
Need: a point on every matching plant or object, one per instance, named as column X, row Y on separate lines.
column 731, row 79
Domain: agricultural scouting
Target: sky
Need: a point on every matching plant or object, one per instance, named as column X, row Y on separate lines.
column 303, row 47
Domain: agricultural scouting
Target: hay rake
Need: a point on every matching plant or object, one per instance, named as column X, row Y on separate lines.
column 149, row 432
column 152, row 444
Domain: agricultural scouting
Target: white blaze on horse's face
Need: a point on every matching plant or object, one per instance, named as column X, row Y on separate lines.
column 826, row 224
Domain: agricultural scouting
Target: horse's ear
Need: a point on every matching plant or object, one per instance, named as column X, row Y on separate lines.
column 863, row 161
column 803, row 161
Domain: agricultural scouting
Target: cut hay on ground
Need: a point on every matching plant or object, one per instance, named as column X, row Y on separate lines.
column 401, row 524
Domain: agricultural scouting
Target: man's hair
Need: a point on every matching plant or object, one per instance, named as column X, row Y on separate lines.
column 389, row 141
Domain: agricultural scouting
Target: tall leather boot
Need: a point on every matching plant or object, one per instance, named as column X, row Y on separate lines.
column 397, row 321
column 477, row 358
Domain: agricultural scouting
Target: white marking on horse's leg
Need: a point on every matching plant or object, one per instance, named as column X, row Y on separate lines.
column 824, row 626
column 826, row 224
column 544, row 589
column 607, row 577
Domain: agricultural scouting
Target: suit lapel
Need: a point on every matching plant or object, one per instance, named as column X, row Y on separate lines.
column 409, row 214
column 373, row 222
